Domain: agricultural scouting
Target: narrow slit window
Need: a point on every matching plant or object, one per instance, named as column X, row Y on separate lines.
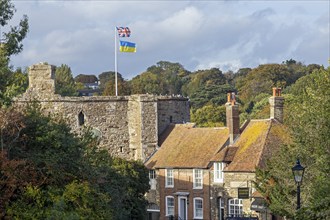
column 81, row 119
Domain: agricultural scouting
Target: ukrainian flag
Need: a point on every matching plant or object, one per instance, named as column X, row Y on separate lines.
column 126, row 46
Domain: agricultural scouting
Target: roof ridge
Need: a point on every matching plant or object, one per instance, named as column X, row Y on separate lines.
column 266, row 119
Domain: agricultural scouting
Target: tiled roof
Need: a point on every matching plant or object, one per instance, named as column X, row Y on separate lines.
column 225, row 155
column 188, row 147
column 257, row 142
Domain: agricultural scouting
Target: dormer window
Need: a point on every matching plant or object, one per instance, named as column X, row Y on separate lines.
column 218, row 172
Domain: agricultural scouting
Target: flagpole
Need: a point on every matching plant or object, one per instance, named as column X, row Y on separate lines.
column 116, row 61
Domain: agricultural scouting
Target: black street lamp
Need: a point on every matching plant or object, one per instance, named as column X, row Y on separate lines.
column 298, row 174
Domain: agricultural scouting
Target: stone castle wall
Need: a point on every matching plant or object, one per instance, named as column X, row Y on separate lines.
column 128, row 126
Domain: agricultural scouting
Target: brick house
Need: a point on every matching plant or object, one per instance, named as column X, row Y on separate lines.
column 207, row 173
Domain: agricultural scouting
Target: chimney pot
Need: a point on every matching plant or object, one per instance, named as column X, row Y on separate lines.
column 276, row 91
column 231, row 97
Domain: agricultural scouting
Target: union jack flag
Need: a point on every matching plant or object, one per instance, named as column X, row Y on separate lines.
column 123, row 31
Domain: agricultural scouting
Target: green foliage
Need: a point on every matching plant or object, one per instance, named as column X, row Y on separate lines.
column 163, row 78
column 49, row 144
column 83, row 78
column 210, row 95
column 49, row 173
column 74, row 201
column 257, row 109
column 12, row 83
column 135, row 177
column 105, row 77
column 209, row 116
column 203, row 79
column 64, row 82
column 252, row 82
column 308, row 116
column 124, row 182
column 11, row 42
column 146, row 82
column 261, row 80
column 108, row 84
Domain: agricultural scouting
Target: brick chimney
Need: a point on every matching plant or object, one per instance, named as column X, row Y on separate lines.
column 232, row 117
column 276, row 105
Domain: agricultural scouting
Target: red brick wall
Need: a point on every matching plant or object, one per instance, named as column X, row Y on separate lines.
column 183, row 182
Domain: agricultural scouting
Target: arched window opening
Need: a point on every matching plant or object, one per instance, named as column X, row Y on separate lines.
column 81, row 119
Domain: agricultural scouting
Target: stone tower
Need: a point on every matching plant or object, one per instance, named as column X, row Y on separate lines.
column 127, row 126
column 41, row 80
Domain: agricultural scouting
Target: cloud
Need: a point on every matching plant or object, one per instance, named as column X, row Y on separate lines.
column 197, row 34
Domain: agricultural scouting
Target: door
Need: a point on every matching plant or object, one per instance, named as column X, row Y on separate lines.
column 221, row 203
column 183, row 208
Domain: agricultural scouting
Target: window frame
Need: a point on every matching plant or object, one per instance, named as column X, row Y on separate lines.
column 198, row 185
column 169, row 177
column 218, row 174
column 167, row 206
column 152, row 174
column 195, row 210
column 221, row 208
column 236, row 206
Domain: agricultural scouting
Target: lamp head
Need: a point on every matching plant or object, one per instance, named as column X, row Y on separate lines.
column 298, row 172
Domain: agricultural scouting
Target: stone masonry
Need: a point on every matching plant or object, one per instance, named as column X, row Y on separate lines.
column 128, row 126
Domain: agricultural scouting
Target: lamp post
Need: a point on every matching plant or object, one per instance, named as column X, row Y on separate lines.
column 298, row 174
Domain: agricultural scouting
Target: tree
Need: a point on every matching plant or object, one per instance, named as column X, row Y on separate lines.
column 108, row 84
column 261, row 79
column 163, row 78
column 83, row 78
column 146, row 82
column 64, row 82
column 171, row 76
column 12, row 83
column 105, row 77
column 212, row 94
column 308, row 116
column 48, row 172
column 258, row 109
column 209, row 116
column 12, row 40
column 202, row 79
column 5, row 73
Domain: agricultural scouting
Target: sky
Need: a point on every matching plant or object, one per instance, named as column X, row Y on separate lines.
column 199, row 35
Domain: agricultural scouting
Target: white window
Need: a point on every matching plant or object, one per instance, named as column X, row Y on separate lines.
column 198, row 208
column 169, row 205
column 218, row 172
column 235, row 207
column 169, row 180
column 152, row 179
column 152, row 174
column 198, row 178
